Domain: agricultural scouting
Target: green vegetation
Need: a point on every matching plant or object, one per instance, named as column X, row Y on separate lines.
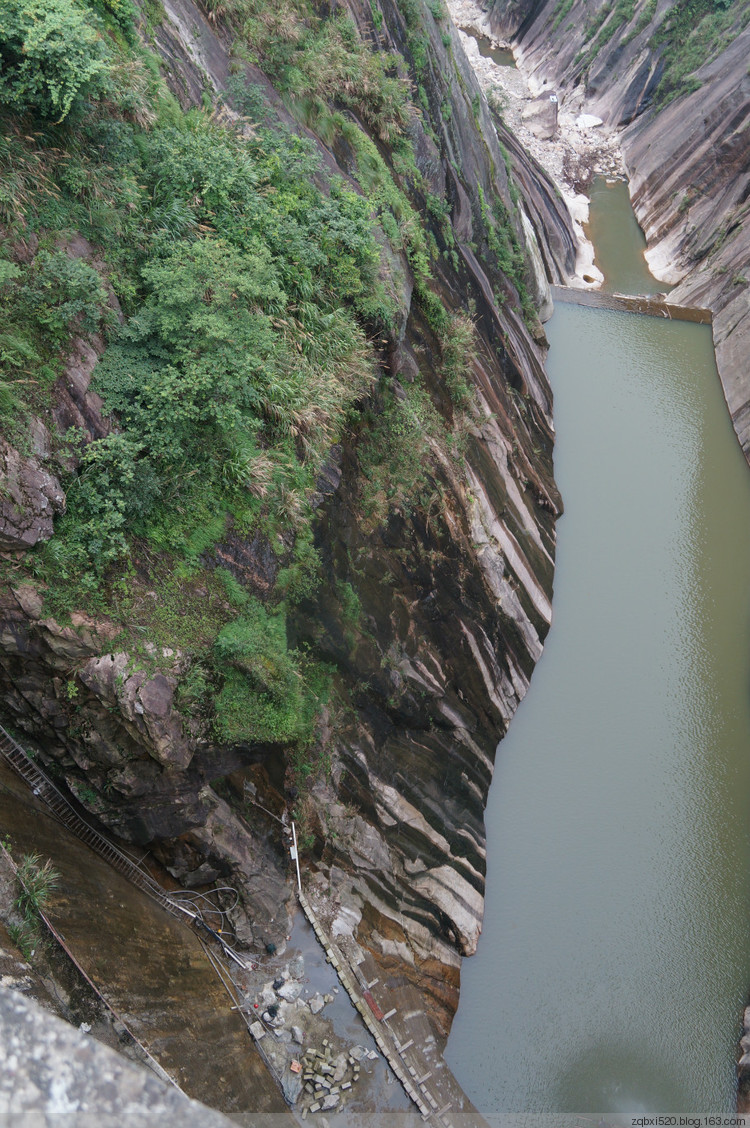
column 459, row 352
column 504, row 245
column 236, row 372
column 237, row 287
column 270, row 694
column 691, row 35
column 248, row 281
column 315, row 60
column 560, row 12
column 49, row 56
column 642, row 22
column 35, row 883
column 408, row 446
column 416, row 40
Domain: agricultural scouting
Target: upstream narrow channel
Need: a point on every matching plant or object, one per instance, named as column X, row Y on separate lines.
column 615, row 956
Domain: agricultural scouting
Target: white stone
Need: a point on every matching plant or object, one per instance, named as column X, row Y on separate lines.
column 588, row 121
column 316, row 1003
column 346, row 921
column 290, row 991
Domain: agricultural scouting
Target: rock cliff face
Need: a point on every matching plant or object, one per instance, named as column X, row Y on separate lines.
column 452, row 590
column 688, row 160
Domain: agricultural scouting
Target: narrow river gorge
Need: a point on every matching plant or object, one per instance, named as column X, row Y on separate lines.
column 614, row 963
column 322, row 597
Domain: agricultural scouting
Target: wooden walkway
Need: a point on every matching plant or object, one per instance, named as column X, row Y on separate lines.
column 650, row 305
column 404, row 1035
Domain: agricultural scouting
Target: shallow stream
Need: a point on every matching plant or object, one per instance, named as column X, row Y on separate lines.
column 615, row 959
column 503, row 56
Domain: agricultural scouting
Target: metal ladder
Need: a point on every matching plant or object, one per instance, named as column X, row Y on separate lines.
column 45, row 789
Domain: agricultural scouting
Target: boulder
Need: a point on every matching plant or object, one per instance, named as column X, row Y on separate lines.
column 540, row 117
column 145, row 703
column 290, row 991
column 588, row 121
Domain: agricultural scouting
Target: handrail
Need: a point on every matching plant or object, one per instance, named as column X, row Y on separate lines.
column 45, row 789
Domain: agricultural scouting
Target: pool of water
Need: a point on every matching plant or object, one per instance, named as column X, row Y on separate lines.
column 619, row 241
column 503, row 56
column 614, row 961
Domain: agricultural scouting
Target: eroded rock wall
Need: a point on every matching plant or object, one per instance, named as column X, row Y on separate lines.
column 453, row 590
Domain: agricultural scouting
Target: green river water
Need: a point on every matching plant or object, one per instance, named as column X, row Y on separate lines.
column 615, row 957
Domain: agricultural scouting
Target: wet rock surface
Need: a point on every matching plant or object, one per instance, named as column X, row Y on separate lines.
column 149, row 967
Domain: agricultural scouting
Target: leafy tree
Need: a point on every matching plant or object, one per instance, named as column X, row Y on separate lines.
column 49, row 54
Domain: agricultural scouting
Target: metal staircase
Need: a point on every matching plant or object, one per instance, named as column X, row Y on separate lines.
column 44, row 788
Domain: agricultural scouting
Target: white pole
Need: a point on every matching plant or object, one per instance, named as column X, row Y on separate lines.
column 295, row 855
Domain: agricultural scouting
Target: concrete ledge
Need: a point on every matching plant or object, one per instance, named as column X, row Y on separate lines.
column 650, row 305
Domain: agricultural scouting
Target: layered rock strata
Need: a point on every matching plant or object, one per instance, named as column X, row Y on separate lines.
column 453, row 590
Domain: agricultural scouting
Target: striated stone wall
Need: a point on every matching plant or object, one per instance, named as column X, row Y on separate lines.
column 454, row 596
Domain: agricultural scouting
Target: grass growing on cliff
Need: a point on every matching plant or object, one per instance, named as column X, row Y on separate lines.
column 690, row 36
column 503, row 242
column 323, row 59
column 560, row 11
column 36, row 881
column 409, row 447
column 244, row 351
column 270, row 694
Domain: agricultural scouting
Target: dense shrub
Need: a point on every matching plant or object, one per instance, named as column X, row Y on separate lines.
column 49, row 54
column 244, row 351
column 270, row 693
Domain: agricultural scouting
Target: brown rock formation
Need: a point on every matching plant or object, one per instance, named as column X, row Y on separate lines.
column 454, row 591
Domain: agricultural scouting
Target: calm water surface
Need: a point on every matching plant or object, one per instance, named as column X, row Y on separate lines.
column 503, row 56
column 619, row 241
column 615, row 957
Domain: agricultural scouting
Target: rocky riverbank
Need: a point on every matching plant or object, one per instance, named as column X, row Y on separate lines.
column 680, row 107
column 571, row 145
